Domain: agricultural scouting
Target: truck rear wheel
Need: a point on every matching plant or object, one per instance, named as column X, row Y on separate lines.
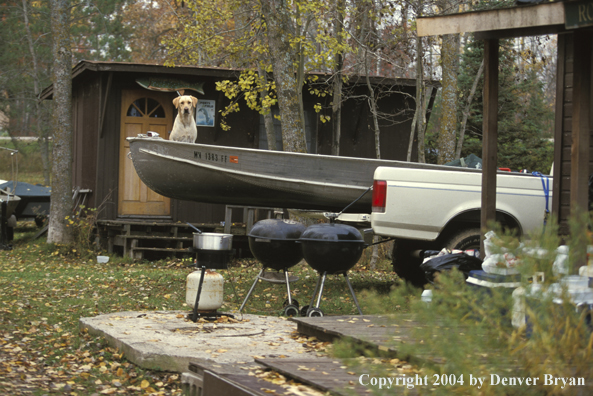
column 465, row 240
column 406, row 264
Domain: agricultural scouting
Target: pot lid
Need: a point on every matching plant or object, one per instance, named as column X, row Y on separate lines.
column 283, row 229
column 332, row 232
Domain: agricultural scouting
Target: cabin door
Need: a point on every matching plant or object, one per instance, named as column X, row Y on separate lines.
column 142, row 111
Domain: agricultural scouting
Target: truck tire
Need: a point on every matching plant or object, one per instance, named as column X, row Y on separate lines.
column 405, row 264
column 465, row 240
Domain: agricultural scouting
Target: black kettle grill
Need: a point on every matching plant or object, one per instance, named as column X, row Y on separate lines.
column 273, row 242
column 330, row 248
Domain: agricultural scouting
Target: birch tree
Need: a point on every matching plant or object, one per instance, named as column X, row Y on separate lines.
column 448, row 133
column 337, row 78
column 279, row 28
column 61, row 192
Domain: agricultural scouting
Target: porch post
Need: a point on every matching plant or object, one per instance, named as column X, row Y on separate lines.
column 581, row 129
column 581, row 102
column 489, row 135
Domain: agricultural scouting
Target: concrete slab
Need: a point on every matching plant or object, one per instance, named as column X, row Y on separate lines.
column 165, row 340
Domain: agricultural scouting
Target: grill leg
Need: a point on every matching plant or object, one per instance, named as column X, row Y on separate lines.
column 251, row 290
column 315, row 292
column 321, row 290
column 287, row 287
column 352, row 292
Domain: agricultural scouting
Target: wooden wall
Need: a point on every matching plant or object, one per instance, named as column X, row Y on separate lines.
column 563, row 139
column 97, row 117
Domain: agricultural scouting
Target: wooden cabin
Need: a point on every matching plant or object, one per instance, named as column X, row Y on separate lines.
column 572, row 21
column 109, row 104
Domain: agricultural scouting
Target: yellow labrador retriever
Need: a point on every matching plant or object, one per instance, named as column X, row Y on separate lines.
column 184, row 128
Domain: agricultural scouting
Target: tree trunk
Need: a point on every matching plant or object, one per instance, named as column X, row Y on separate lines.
column 61, row 192
column 373, row 104
column 419, row 96
column 283, row 57
column 268, row 119
column 470, row 98
column 300, row 74
column 337, row 95
column 422, row 126
column 413, row 129
column 447, row 135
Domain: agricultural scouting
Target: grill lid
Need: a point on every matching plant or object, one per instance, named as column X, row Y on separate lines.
column 332, row 232
column 277, row 229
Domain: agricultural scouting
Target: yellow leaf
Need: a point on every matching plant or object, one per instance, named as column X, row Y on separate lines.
column 144, row 384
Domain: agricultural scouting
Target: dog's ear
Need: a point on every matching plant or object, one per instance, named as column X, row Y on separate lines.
column 194, row 101
column 176, row 102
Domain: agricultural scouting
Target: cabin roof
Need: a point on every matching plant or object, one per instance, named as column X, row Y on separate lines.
column 86, row 66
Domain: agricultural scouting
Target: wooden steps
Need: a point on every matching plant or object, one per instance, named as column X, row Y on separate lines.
column 134, row 239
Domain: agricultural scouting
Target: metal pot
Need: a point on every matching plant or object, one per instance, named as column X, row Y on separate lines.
column 213, row 241
column 273, row 242
column 332, row 248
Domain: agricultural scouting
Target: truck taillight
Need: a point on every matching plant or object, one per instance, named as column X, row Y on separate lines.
column 379, row 196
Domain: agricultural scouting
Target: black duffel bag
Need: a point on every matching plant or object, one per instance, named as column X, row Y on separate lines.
column 463, row 262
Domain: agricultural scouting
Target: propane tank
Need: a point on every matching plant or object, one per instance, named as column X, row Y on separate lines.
column 212, row 290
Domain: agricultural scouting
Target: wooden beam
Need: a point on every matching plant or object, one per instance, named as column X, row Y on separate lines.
column 541, row 15
column 489, row 133
column 581, row 107
column 559, row 125
column 521, row 32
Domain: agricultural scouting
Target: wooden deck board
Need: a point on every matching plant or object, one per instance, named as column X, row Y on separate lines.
column 238, row 385
column 377, row 330
column 382, row 333
column 327, row 375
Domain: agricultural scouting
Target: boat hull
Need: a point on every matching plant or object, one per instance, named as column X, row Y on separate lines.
column 250, row 177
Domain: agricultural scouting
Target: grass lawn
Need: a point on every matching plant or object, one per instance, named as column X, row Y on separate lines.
column 45, row 290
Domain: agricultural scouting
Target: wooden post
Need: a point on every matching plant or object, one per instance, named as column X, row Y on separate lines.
column 581, row 107
column 559, row 130
column 579, row 151
column 489, row 135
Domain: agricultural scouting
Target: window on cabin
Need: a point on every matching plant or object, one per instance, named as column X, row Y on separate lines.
column 146, row 107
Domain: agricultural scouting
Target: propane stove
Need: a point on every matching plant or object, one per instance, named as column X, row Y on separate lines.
column 205, row 286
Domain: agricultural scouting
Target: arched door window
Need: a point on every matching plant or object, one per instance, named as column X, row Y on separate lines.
column 146, row 107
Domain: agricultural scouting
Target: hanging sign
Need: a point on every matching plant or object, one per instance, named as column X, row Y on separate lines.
column 578, row 14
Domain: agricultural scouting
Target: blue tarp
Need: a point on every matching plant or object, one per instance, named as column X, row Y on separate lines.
column 34, row 202
column 26, row 189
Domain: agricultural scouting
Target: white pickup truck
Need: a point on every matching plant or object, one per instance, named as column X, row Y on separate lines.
column 429, row 209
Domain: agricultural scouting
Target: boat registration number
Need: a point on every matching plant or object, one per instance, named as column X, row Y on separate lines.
column 215, row 157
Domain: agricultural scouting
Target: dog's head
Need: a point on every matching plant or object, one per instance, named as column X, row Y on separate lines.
column 185, row 104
